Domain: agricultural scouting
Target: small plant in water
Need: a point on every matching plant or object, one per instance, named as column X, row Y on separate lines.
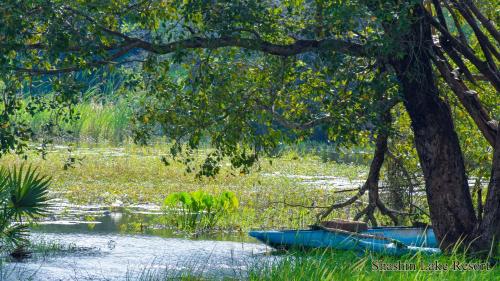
column 199, row 209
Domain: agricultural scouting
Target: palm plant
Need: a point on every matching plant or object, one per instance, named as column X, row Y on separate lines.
column 23, row 194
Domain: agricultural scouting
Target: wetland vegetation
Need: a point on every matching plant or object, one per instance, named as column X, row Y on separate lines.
column 118, row 177
column 122, row 191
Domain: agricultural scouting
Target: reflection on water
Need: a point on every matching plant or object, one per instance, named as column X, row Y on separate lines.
column 144, row 219
column 127, row 222
column 124, row 245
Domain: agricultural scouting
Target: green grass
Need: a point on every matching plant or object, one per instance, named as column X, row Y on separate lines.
column 332, row 265
column 96, row 123
column 344, row 265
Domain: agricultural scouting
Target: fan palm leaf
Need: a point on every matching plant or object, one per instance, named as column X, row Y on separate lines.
column 4, row 187
column 23, row 193
column 15, row 235
column 28, row 192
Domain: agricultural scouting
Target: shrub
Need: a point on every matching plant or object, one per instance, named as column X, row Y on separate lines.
column 199, row 209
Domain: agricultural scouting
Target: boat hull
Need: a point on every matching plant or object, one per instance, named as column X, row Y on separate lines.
column 414, row 239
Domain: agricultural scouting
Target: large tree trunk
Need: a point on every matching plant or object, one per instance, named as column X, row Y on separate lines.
column 451, row 209
column 487, row 234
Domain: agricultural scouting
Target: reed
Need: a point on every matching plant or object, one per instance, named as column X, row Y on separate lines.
column 96, row 123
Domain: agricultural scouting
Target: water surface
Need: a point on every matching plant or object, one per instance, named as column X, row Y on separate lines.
column 97, row 244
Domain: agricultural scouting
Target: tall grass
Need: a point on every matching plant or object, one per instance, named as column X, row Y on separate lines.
column 100, row 123
column 97, row 123
column 331, row 265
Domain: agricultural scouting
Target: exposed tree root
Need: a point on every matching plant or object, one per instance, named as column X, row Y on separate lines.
column 409, row 178
column 371, row 185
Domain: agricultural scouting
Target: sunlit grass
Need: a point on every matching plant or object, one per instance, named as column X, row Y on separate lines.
column 109, row 123
column 346, row 265
column 331, row 265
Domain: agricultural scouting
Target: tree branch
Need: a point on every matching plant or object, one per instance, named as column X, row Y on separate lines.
column 487, row 23
column 372, row 179
column 458, row 61
column 485, row 44
column 257, row 44
column 110, row 60
column 298, row 47
column 482, row 66
column 467, row 98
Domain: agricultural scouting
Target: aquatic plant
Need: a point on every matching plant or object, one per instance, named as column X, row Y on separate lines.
column 23, row 195
column 199, row 209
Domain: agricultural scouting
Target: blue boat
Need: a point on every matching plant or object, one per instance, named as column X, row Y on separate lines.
column 387, row 240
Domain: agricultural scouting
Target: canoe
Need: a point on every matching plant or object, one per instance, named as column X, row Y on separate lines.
column 387, row 240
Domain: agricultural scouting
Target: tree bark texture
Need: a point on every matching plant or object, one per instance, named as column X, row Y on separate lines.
column 450, row 203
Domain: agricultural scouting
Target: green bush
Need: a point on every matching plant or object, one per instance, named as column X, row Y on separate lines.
column 199, row 209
